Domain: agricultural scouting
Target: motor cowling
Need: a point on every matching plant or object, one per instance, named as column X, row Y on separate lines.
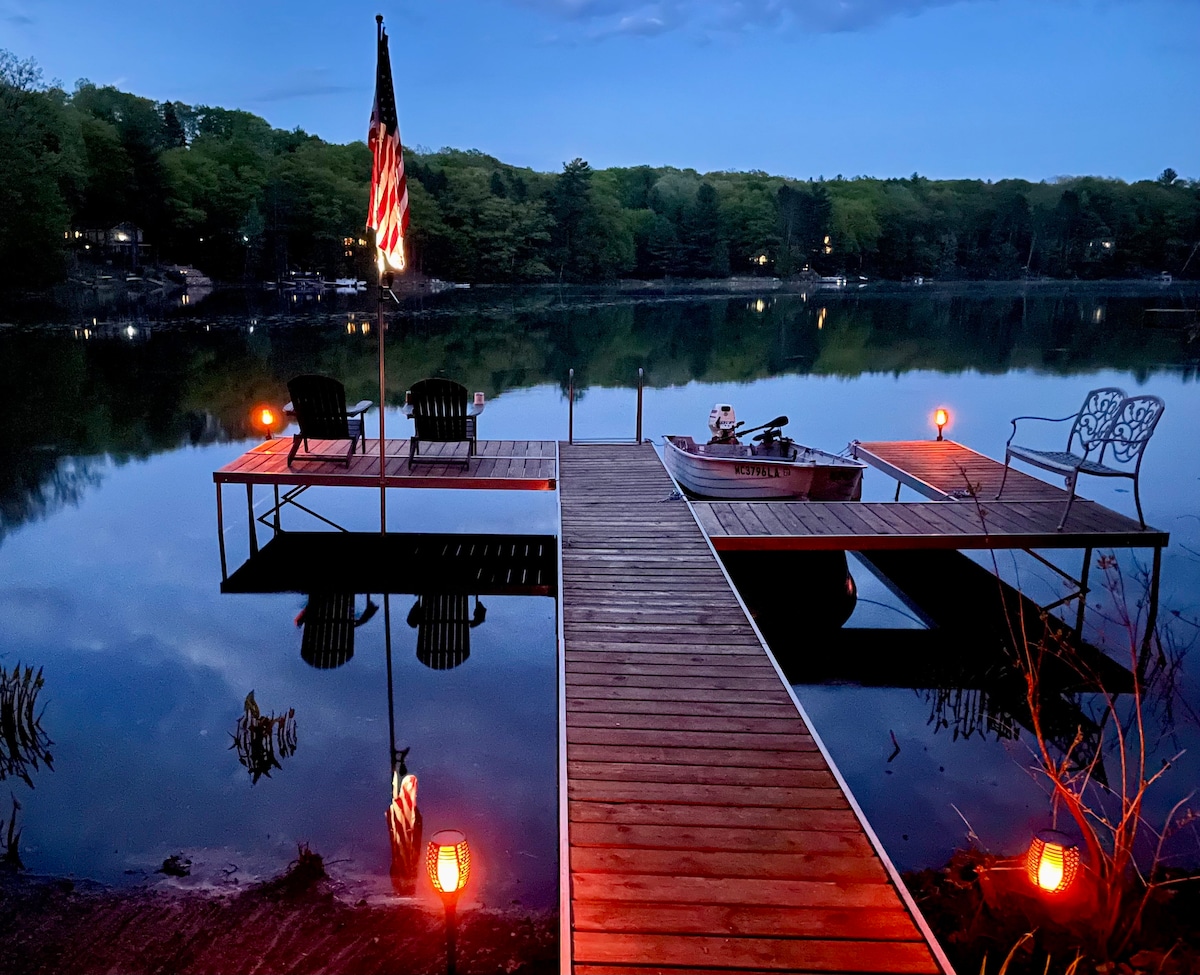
column 722, row 422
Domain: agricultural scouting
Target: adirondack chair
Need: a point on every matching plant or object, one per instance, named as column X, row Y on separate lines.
column 1108, row 437
column 329, row 620
column 441, row 413
column 319, row 407
column 444, row 629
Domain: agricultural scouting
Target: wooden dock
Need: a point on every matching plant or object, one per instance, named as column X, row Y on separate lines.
column 499, row 465
column 706, row 827
column 1026, row 518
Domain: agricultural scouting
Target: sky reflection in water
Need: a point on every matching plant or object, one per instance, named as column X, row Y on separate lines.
column 147, row 664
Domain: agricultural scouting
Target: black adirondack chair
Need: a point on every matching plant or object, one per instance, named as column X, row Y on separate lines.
column 319, row 407
column 441, row 413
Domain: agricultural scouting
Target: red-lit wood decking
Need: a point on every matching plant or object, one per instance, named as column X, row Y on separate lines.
column 706, row 828
column 499, row 465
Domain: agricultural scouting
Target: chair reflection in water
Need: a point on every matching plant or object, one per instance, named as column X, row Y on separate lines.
column 329, row 620
column 444, row 628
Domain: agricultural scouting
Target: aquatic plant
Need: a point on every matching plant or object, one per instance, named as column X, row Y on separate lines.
column 1123, row 869
column 262, row 740
column 24, row 746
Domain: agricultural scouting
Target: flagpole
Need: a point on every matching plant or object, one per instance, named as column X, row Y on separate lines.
column 384, row 282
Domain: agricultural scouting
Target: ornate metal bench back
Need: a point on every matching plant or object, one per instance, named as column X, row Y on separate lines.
column 319, row 403
column 1095, row 416
column 1132, row 424
column 439, row 410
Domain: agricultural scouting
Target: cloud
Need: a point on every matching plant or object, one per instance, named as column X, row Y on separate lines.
column 313, row 83
column 609, row 18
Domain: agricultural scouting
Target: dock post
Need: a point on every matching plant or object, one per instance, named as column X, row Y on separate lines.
column 1083, row 592
column 638, row 437
column 250, row 514
column 221, row 535
column 1151, row 615
column 571, row 406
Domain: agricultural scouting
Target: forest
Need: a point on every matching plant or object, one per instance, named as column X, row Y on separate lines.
column 223, row 191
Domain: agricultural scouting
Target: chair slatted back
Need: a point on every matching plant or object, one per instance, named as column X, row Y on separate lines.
column 328, row 639
column 443, row 629
column 1134, row 421
column 319, row 403
column 1092, row 423
column 439, row 410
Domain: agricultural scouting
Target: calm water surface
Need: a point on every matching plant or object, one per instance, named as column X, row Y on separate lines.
column 110, row 574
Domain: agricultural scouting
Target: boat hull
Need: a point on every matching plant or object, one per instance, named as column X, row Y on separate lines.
column 813, row 475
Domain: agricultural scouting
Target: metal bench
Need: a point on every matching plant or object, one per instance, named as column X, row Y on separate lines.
column 1107, row 439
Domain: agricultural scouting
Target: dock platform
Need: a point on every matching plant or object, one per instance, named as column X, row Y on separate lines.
column 498, row 465
column 706, row 826
column 944, row 471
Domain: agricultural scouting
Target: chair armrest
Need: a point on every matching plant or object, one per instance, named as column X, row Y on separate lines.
column 360, row 407
column 1044, row 419
column 288, row 410
column 407, row 410
column 476, row 409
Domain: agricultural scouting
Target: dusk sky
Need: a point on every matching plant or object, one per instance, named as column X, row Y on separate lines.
column 975, row 89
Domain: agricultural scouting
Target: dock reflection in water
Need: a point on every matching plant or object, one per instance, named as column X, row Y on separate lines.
column 447, row 574
column 965, row 660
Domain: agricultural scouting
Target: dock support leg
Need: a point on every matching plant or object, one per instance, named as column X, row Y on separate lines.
column 1083, row 592
column 221, row 535
column 897, row 497
column 250, row 514
column 1151, row 615
column 276, row 519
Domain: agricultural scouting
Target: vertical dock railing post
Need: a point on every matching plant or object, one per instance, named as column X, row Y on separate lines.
column 571, row 406
column 641, row 377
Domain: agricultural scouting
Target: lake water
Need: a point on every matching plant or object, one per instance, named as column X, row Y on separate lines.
column 110, row 571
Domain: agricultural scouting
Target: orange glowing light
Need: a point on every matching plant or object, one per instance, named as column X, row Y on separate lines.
column 266, row 417
column 1052, row 861
column 940, row 418
column 448, row 862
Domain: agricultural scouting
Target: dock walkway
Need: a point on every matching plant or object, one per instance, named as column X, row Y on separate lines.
column 707, row 827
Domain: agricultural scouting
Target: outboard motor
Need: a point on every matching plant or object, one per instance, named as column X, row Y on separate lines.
column 722, row 424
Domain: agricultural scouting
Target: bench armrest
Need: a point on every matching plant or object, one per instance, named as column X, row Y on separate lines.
column 360, row 407
column 1044, row 419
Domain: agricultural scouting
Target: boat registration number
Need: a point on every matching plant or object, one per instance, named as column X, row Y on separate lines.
column 760, row 470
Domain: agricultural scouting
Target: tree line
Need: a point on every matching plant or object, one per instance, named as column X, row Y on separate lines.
column 222, row 190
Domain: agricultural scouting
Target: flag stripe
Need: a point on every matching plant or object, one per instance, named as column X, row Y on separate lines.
column 388, row 211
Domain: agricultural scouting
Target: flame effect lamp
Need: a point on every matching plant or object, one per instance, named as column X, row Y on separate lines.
column 266, row 419
column 940, row 418
column 448, row 863
column 1052, row 861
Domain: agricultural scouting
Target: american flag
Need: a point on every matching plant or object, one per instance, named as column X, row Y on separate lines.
column 388, row 215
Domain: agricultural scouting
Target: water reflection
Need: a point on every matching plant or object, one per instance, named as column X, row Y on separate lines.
column 24, row 745
column 444, row 628
column 263, row 740
column 328, row 621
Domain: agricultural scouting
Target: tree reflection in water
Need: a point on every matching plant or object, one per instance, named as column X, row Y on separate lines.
column 24, row 746
column 262, row 740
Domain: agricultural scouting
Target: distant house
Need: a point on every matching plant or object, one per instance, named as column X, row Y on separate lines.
column 123, row 243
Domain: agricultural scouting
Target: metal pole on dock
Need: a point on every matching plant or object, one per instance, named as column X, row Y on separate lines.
column 638, row 437
column 571, row 406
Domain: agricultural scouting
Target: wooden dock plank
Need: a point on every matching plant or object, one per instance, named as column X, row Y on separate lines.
column 705, row 826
